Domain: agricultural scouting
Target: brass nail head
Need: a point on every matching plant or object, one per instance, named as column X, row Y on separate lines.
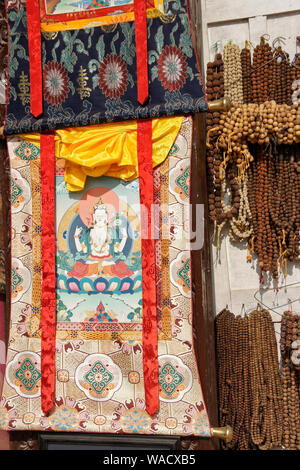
column 223, row 104
column 225, row 433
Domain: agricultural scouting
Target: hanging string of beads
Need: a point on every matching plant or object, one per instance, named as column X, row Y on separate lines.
column 246, row 73
column 233, row 84
column 261, row 72
column 214, row 87
column 254, row 172
column 258, row 123
column 249, row 382
column 235, row 396
column 214, row 90
column 281, row 77
column 266, row 423
column 290, row 358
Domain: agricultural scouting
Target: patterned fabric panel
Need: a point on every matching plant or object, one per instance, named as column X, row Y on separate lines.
column 90, row 77
column 99, row 366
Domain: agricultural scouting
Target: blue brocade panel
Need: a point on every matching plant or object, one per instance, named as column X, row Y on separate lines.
column 89, row 75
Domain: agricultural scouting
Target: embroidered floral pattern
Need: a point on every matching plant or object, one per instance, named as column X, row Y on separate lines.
column 169, row 379
column 20, row 191
column 89, row 85
column 28, row 375
column 20, row 279
column 98, row 377
column 172, row 68
column 67, row 416
column 180, row 181
column 113, row 76
column 27, row 151
column 133, row 418
column 29, row 322
column 64, row 341
column 7, row 415
column 56, row 83
column 181, row 273
column 26, row 232
column 129, row 346
column 16, row 194
column 196, row 421
column 175, row 378
column 18, row 4
column 23, row 373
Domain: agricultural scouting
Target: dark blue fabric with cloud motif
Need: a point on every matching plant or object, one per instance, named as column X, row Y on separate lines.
column 89, row 75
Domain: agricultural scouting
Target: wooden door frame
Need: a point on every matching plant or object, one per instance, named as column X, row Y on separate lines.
column 204, row 318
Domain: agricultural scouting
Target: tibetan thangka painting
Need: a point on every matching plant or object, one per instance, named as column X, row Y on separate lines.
column 101, row 326
column 100, row 292
column 99, row 271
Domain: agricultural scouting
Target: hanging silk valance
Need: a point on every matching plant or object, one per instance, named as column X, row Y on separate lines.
column 97, row 74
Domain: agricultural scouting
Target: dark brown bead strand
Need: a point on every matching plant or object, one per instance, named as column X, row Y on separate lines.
column 214, row 91
column 274, row 201
column 214, row 87
column 224, row 321
column 266, row 423
column 246, row 72
column 261, row 72
column 249, row 382
column 233, row 359
column 290, row 332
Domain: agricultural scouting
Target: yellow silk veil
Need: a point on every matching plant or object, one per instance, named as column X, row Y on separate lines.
column 108, row 149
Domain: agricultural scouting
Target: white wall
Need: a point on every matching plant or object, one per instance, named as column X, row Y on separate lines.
column 238, row 20
column 236, row 282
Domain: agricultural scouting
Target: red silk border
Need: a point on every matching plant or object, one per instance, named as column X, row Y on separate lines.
column 140, row 18
column 35, row 57
column 150, row 355
column 48, row 314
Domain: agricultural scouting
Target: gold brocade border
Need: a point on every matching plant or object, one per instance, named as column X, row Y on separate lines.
column 66, row 335
column 36, row 228
column 165, row 244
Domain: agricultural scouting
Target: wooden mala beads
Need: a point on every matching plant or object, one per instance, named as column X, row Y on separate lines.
column 234, row 392
column 280, row 90
column 246, row 74
column 214, row 87
column 253, row 153
column 249, row 382
column 261, row 68
column 233, row 82
column 258, row 124
column 214, row 90
column 266, row 422
column 289, row 344
column 259, row 197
